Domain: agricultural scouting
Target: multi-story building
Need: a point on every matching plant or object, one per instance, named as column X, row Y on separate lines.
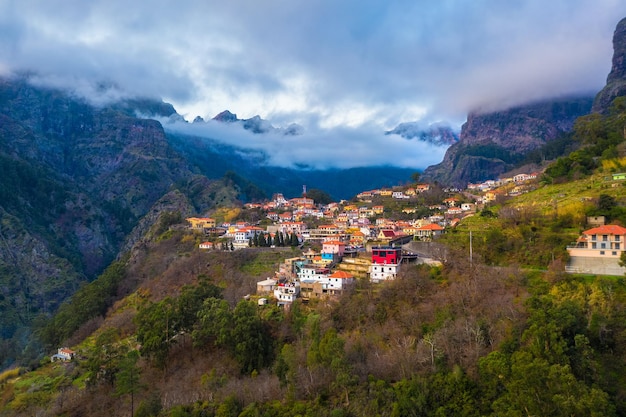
column 385, row 263
column 598, row 251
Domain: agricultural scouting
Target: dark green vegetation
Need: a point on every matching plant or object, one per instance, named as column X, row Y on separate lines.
column 601, row 141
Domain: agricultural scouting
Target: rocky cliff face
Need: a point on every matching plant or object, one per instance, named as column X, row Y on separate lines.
column 616, row 80
column 76, row 180
column 490, row 143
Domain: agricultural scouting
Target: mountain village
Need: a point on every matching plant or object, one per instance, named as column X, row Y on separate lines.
column 356, row 240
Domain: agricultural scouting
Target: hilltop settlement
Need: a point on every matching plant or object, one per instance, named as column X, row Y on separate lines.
column 376, row 233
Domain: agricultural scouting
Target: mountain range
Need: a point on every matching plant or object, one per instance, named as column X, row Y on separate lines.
column 82, row 184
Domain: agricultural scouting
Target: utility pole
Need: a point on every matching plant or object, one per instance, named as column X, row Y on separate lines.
column 471, row 253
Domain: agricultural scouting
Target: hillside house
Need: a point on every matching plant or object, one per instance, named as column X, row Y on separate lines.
column 386, row 235
column 206, row 245
column 293, row 227
column 243, row 235
column 265, row 286
column 365, row 212
column 386, row 255
column 201, row 222
column 63, row 354
column 286, row 293
column 378, row 209
column 365, row 195
column 326, row 285
column 285, row 217
column 428, row 231
column 279, row 200
column 598, row 251
column 385, row 263
column 334, row 246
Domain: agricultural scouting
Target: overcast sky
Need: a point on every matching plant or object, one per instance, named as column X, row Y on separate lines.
column 346, row 70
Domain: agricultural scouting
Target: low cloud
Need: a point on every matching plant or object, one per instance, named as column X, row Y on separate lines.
column 323, row 64
column 341, row 147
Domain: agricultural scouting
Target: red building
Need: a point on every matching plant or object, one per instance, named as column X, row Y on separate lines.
column 386, row 255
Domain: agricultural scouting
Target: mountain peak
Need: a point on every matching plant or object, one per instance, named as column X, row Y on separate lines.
column 226, row 116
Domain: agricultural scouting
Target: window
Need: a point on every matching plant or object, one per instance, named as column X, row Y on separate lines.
column 601, row 252
column 593, row 245
column 605, row 238
column 614, row 253
column 617, row 238
column 617, row 246
column 593, row 237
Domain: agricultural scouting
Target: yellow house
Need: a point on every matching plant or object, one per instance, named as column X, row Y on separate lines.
column 378, row 209
column 201, row 222
column 386, row 192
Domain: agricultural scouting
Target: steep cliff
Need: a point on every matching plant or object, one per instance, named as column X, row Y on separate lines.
column 76, row 179
column 616, row 80
column 492, row 143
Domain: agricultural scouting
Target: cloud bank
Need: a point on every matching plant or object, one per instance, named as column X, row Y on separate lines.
column 340, row 147
column 347, row 65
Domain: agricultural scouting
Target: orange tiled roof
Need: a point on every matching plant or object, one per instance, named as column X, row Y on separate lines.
column 341, row 274
column 333, row 242
column 609, row 229
column 432, row 226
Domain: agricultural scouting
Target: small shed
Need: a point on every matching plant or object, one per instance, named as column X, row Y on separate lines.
column 262, row 301
column 619, row 176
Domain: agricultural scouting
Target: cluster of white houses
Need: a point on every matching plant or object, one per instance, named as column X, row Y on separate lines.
column 313, row 275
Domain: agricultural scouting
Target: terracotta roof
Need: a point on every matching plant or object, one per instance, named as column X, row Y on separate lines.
column 609, row 229
column 341, row 274
column 432, row 226
column 333, row 242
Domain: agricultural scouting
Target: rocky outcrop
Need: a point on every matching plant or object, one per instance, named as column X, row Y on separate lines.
column 491, row 143
column 616, row 80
